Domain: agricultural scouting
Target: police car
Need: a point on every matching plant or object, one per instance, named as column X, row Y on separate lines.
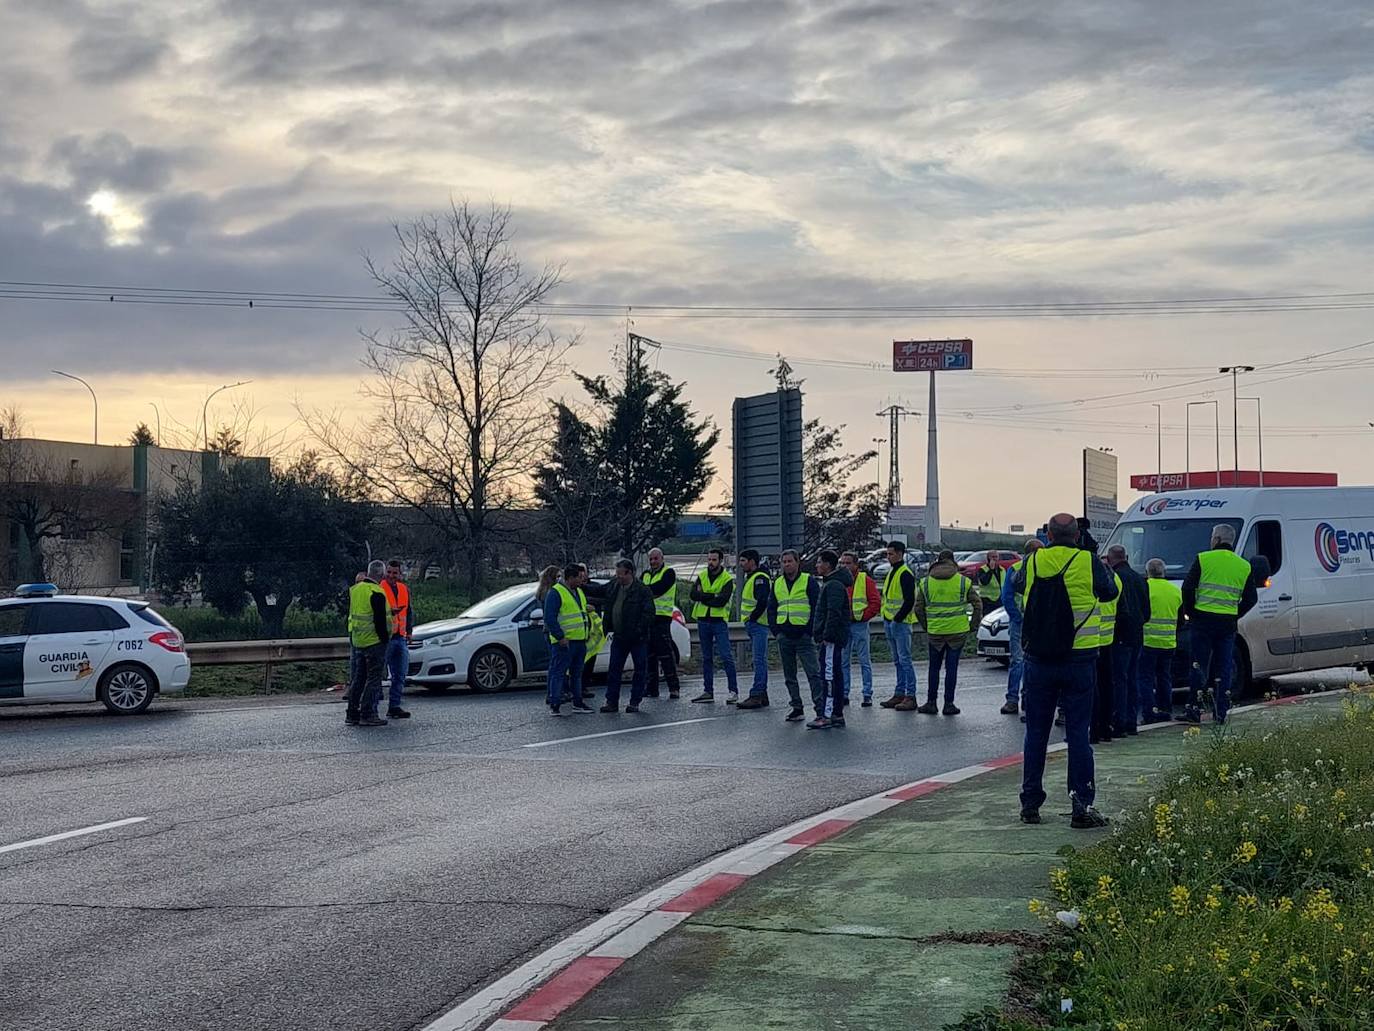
column 497, row 640
column 71, row 648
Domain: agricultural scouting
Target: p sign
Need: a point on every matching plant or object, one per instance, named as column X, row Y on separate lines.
column 932, row 355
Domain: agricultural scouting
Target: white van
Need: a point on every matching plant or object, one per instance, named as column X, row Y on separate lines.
column 1317, row 608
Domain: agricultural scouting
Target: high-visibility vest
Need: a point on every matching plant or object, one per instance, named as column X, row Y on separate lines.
column 711, row 586
column 1021, row 594
column 596, row 636
column 1224, row 576
column 858, row 601
column 946, row 604
column 362, row 631
column 749, row 597
column 892, row 594
column 992, row 590
column 794, row 607
column 573, row 619
column 1106, row 626
column 663, row 604
column 1078, row 581
column 398, row 605
column 1161, row 629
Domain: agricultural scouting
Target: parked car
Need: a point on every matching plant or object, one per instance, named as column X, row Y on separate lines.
column 57, row 648
column 976, row 560
column 495, row 641
column 994, row 640
column 878, row 566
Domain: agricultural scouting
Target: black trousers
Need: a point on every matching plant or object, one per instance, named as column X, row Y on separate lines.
column 1104, row 698
column 661, row 655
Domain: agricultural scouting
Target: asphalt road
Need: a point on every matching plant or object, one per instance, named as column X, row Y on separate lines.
column 292, row 873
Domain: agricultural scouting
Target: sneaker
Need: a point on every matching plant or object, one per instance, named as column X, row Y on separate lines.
column 1088, row 820
column 893, row 702
column 705, row 699
column 629, row 708
column 582, row 707
column 928, row 708
column 1009, row 709
column 950, row 709
column 372, row 721
column 837, row 721
column 397, row 714
column 350, row 721
column 553, row 711
column 673, row 695
column 797, row 713
column 906, row 704
column 732, row 698
column 1031, row 816
column 819, row 723
column 754, row 702
column 613, row 708
column 867, row 703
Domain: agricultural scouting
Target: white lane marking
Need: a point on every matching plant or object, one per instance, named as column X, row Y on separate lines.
column 627, row 730
column 72, row 834
column 639, row 935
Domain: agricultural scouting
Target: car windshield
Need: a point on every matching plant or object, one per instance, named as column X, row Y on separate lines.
column 502, row 603
column 1176, row 541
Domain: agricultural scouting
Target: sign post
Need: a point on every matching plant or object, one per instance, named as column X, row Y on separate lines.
column 932, row 356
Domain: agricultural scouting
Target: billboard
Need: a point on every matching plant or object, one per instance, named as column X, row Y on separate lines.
column 766, row 433
column 1227, row 478
column 932, row 355
column 1099, row 490
column 909, row 517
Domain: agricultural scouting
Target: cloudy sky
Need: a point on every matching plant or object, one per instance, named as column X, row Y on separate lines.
column 768, row 152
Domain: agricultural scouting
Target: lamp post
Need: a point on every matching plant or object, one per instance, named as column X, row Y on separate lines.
column 1188, row 440
column 1235, row 371
column 95, row 430
column 205, row 409
column 1259, row 435
column 157, row 412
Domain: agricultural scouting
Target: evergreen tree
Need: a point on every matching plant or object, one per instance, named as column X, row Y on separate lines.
column 836, row 514
column 142, row 436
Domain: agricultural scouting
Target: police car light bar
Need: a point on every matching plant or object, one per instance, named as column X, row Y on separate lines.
column 35, row 590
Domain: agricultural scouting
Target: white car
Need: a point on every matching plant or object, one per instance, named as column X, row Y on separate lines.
column 71, row 648
column 994, row 639
column 497, row 640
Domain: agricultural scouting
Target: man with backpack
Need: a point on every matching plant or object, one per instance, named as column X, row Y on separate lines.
column 1062, row 585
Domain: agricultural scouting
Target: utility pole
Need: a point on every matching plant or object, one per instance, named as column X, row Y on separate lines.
column 894, row 413
column 1235, row 371
column 932, row 472
column 1159, row 448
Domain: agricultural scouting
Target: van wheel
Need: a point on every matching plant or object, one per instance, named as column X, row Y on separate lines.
column 127, row 689
column 1243, row 684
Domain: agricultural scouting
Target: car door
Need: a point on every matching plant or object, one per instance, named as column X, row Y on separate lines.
column 13, row 637
column 534, row 640
column 69, row 643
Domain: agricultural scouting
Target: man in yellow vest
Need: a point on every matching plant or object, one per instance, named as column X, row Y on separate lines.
column 567, row 621
column 899, row 605
column 1062, row 585
column 753, row 610
column 368, row 631
column 402, row 618
column 1217, row 591
column 791, row 614
column 949, row 608
column 711, row 610
column 864, row 604
column 1161, row 639
column 661, row 579
column 989, row 579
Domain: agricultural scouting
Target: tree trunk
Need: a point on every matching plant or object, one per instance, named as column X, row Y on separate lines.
column 37, row 564
column 272, row 615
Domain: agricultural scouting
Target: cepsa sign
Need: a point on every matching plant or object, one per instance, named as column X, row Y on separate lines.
column 931, row 355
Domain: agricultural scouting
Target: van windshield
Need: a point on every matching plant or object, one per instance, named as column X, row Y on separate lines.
column 1176, row 541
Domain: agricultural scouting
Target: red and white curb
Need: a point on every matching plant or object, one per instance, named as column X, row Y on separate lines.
column 538, row 991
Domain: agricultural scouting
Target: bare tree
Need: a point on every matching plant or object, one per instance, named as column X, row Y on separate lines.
column 460, row 387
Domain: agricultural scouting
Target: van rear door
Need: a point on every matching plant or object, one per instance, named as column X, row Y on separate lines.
column 1270, row 629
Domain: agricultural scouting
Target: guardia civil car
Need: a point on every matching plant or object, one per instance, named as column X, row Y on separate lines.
column 72, row 648
column 497, row 640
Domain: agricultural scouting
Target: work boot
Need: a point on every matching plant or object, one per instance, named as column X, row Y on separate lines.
column 797, row 713
column 372, row 721
column 351, row 720
column 950, row 709
column 673, row 694
column 907, row 704
column 632, row 707
column 893, row 702
column 1009, row 709
column 610, row 708
column 705, row 699
column 754, row 702
column 867, row 703
column 1031, row 816
column 1087, row 820
column 928, row 708
column 819, row 723
column 397, row 714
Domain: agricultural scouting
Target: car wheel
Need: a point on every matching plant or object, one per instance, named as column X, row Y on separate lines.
column 127, row 689
column 491, row 670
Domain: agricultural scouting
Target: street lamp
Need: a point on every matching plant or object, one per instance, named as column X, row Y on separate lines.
column 1235, row 371
column 205, row 409
column 1259, row 435
column 158, row 412
column 95, row 431
column 1188, row 440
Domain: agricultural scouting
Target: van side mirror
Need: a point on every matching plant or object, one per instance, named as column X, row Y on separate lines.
column 1260, row 571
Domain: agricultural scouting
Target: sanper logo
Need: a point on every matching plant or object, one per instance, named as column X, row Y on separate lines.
column 1328, row 551
column 1154, row 506
column 1334, row 546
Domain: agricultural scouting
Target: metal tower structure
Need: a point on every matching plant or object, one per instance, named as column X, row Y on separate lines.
column 894, row 413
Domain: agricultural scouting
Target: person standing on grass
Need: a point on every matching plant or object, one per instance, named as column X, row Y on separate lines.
column 1132, row 613
column 1062, row 586
column 832, row 628
column 791, row 613
column 368, row 631
column 568, row 624
column 1161, row 638
column 899, row 612
column 1218, row 590
column 864, row 604
column 1012, row 604
column 711, row 610
column 753, row 610
column 949, row 608
column 661, row 579
column 629, row 620
column 398, row 645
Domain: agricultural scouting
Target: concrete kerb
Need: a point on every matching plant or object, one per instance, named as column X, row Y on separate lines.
column 539, row 990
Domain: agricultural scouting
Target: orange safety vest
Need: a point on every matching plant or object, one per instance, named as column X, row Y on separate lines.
column 398, row 605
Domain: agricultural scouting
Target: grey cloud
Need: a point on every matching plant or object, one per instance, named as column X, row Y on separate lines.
column 110, row 159
column 113, row 54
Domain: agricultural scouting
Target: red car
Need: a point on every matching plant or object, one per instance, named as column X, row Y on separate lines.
column 978, row 559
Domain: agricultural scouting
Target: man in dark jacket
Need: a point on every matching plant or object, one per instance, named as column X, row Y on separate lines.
column 629, row 621
column 832, row 623
column 661, row 579
column 1218, row 590
column 1132, row 613
column 792, row 615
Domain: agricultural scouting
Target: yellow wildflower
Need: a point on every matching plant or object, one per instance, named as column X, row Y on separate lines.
column 1179, row 898
column 1320, row 906
column 1246, row 852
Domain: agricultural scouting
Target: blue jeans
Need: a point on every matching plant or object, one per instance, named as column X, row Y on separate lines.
column 758, row 654
column 1214, row 650
column 1018, row 661
column 715, row 640
column 899, row 640
column 397, row 665
column 566, row 662
column 859, row 646
column 944, row 656
column 1125, row 675
column 1156, row 682
column 1069, row 686
column 639, row 653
